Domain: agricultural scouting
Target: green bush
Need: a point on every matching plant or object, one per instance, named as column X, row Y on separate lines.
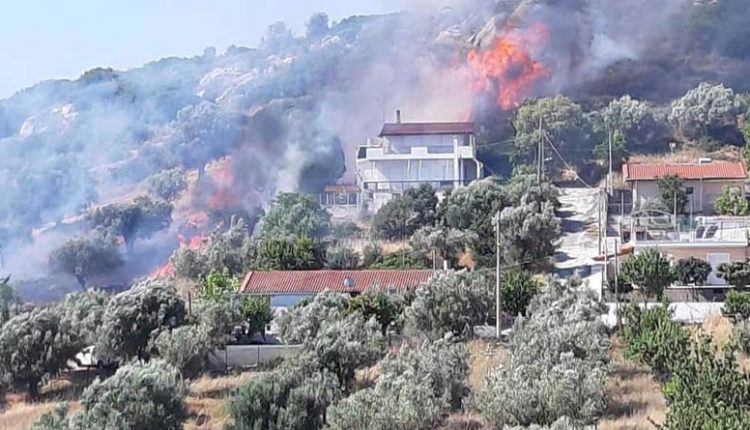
column 693, row 271
column 654, row 339
column 708, row 389
column 290, row 254
column 736, row 273
column 731, row 202
column 386, row 306
column 737, row 306
column 650, row 271
column 518, row 288
column 138, row 396
column 402, row 216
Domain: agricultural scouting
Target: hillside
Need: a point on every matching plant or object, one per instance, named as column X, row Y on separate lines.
column 287, row 114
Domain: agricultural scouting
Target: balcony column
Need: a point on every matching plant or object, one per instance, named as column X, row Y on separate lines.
column 456, row 164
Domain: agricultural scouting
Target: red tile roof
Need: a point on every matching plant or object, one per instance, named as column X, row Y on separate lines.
column 316, row 281
column 650, row 172
column 422, row 128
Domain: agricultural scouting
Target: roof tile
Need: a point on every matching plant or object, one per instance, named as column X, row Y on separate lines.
column 316, row 281
column 653, row 171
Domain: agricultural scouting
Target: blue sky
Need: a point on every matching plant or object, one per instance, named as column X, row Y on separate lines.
column 42, row 39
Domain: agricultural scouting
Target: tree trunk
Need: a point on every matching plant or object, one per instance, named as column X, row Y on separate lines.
column 81, row 281
column 33, row 390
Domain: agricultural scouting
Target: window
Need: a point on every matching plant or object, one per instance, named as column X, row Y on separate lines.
column 689, row 191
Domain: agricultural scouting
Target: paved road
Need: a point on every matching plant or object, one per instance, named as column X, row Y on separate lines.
column 579, row 222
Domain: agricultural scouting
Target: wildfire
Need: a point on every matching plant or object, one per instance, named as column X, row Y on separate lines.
column 509, row 67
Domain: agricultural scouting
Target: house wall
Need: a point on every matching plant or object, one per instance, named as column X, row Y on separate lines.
column 735, row 253
column 704, row 195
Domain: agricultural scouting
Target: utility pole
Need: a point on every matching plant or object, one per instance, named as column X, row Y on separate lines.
column 609, row 177
column 617, row 288
column 540, row 153
column 496, row 221
column 599, row 214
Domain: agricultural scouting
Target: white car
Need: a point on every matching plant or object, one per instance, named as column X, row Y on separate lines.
column 87, row 358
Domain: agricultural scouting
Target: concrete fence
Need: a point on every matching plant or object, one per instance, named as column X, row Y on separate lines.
column 248, row 356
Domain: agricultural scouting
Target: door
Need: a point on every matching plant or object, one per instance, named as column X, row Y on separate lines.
column 715, row 260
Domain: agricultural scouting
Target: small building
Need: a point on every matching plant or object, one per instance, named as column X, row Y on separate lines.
column 286, row 288
column 406, row 155
column 704, row 181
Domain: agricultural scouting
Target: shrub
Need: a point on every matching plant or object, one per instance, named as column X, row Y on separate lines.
column 346, row 230
column 736, row 273
column 138, row 396
column 285, row 399
column 673, row 194
column 693, row 271
column 402, row 216
column 371, row 254
column 342, row 258
column 84, row 312
column 731, row 202
column 57, row 419
column 450, row 302
column 295, row 214
column 386, row 306
column 402, row 259
column 654, row 339
column 132, row 318
column 186, row 348
column 708, row 387
column 737, row 306
column 290, row 254
column 518, row 288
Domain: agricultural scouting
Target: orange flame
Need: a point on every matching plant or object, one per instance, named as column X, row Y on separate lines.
column 509, row 65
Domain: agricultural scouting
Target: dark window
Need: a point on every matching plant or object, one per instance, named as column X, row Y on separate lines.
column 353, row 199
column 689, row 190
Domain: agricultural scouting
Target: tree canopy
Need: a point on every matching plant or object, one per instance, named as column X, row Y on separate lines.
column 295, row 214
column 86, row 256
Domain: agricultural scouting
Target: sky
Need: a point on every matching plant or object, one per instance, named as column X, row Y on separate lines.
column 42, row 39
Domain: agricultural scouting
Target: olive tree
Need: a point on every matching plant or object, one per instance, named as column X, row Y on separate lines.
column 83, row 257
column 416, row 388
column 403, row 215
column 141, row 218
column 167, row 184
column 450, row 302
column 518, row 288
column 704, row 110
column 134, row 317
column 471, row 209
column 640, row 124
column 444, row 243
column 693, row 271
column 139, row 396
column 186, row 348
column 295, row 214
column 557, row 367
column 561, row 119
column 304, row 321
column 529, row 232
column 36, row 345
column 84, row 312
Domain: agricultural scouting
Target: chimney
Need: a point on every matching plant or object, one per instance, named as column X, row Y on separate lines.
column 398, row 116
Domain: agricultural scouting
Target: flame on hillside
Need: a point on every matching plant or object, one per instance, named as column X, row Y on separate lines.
column 509, row 68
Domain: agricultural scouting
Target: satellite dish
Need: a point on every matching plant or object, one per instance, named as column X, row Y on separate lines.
column 348, row 282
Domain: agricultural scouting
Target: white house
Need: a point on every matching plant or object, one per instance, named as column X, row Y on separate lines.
column 704, row 181
column 407, row 155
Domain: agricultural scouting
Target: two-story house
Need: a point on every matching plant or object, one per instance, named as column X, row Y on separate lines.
column 406, row 155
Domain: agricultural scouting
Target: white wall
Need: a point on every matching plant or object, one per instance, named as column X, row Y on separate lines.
column 402, row 144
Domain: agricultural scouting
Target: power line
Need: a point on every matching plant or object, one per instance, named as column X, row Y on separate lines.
column 565, row 162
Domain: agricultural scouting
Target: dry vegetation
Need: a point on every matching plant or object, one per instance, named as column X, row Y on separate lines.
column 634, row 396
column 689, row 154
column 206, row 402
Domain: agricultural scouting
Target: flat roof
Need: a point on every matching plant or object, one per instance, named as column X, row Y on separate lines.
column 426, row 128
